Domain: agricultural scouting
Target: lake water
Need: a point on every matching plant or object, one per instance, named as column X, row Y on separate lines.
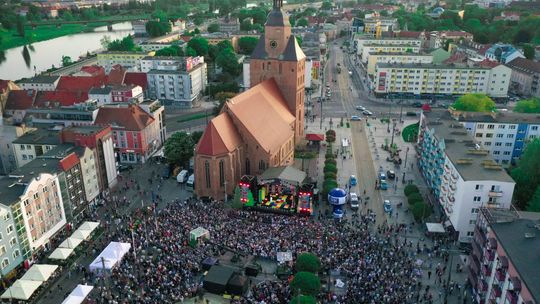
column 42, row 55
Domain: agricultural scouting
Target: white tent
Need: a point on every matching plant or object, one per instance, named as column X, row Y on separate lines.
column 78, row 294
column 198, row 233
column 435, row 228
column 21, row 289
column 61, row 253
column 90, row 226
column 109, row 257
column 71, row 243
column 39, row 272
column 81, row 234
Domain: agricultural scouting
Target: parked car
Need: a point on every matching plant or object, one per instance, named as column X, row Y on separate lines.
column 382, row 176
column 352, row 180
column 122, row 168
column 182, row 176
column 360, row 108
column 387, row 206
column 383, row 185
column 391, row 174
column 353, row 199
column 355, row 118
column 367, row 113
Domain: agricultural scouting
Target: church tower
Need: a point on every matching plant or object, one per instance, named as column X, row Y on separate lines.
column 278, row 56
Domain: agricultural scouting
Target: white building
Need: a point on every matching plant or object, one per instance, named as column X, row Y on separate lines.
column 40, row 83
column 360, row 40
column 102, row 95
column 503, row 134
column 139, row 28
column 131, row 61
column 246, row 76
column 33, row 144
column 89, row 172
column 368, row 49
column 461, row 174
column 397, row 58
column 180, row 80
column 440, row 80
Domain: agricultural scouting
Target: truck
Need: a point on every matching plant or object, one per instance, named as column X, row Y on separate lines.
column 182, row 176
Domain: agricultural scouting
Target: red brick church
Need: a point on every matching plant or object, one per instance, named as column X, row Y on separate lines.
column 258, row 128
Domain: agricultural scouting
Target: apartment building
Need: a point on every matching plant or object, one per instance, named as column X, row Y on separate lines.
column 460, row 173
column 40, row 83
column 131, row 61
column 375, row 48
column 79, row 114
column 385, row 24
column 397, row 58
column 179, row 81
column 429, row 80
column 361, row 40
column 156, row 109
column 503, row 263
column 31, row 214
column 33, row 144
column 525, row 77
column 503, row 53
column 7, row 135
column 503, row 134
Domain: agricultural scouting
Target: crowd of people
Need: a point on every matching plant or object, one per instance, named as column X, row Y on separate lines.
column 378, row 266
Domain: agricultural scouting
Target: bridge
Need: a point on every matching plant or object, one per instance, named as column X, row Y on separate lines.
column 109, row 22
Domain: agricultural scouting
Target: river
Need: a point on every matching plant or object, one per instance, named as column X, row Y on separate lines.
column 43, row 55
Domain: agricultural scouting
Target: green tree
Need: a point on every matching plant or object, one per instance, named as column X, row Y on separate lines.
column 66, row 60
column 173, row 50
column 222, row 98
column 413, row 198
column 157, row 28
column 410, row 189
column 245, row 25
column 523, row 36
column 126, row 44
column 534, row 203
column 531, row 105
column 308, row 262
column 475, row 102
column 190, row 52
column 420, row 210
column 528, row 51
column 20, row 26
column 305, row 283
column 302, row 299
column 527, row 174
column 326, row 5
column 178, row 148
column 302, row 22
column 214, row 27
column 225, row 44
column 200, row 45
column 227, row 60
column 247, row 44
column 299, row 40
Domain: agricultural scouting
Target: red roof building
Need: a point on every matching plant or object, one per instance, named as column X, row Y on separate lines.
column 116, row 75
column 68, row 162
column 81, row 83
column 56, row 99
column 136, row 79
column 486, row 63
column 92, row 71
column 20, row 99
column 135, row 132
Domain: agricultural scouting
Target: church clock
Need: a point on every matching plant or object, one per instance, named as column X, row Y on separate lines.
column 273, row 44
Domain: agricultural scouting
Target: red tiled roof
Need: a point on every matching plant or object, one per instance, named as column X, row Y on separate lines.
column 63, row 98
column 81, row 83
column 403, row 34
column 137, row 79
column 131, row 118
column 69, row 161
column 93, row 70
column 116, row 75
column 486, row 63
column 20, row 99
column 220, row 137
column 315, row 137
column 4, row 84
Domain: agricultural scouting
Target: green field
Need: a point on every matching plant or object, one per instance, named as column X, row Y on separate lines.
column 11, row 39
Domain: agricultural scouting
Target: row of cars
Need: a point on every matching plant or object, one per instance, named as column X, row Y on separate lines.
column 363, row 110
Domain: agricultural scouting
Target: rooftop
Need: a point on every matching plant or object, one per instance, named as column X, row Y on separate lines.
column 472, row 163
column 522, row 250
column 524, row 65
column 40, row 137
column 41, row 79
column 499, row 117
column 128, row 117
column 86, row 130
column 398, row 54
column 429, row 66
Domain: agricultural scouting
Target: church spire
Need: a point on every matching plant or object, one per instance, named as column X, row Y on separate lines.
column 278, row 4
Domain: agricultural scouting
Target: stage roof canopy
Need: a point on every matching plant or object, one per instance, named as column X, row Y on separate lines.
column 287, row 173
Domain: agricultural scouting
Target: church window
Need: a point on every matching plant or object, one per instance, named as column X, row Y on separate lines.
column 280, row 68
column 207, row 173
column 248, row 167
column 262, row 166
column 221, row 173
column 263, row 66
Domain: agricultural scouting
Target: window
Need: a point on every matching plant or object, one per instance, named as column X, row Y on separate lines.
column 479, row 187
column 501, row 126
column 472, row 222
column 221, row 173
column 489, row 135
column 534, row 128
column 496, row 152
column 22, row 147
column 470, row 233
column 207, row 173
column 475, row 210
column 477, row 199
column 12, row 242
column 500, row 135
column 498, row 144
column 5, row 263
column 16, row 253
column 248, row 167
column 480, row 126
column 508, row 144
column 2, row 250
column 24, row 157
column 509, row 135
column 9, row 229
column 487, row 143
column 479, row 134
column 491, row 126
column 512, row 127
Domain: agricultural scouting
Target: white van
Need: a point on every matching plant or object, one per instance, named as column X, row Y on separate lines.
column 190, row 182
column 182, row 176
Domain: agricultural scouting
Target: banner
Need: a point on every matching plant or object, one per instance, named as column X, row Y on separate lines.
column 382, row 81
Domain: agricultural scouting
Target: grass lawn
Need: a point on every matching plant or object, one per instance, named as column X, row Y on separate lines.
column 410, row 132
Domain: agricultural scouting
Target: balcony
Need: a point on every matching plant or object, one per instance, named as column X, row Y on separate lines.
column 480, row 236
column 486, row 270
column 453, row 187
column 514, row 284
column 490, row 255
column 492, row 243
column 494, row 193
column 475, row 264
column 497, row 290
column 511, row 297
column 451, row 199
column 473, row 279
column 500, row 275
column 482, row 286
column 477, row 251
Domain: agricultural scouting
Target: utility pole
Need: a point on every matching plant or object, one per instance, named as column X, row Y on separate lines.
column 389, row 110
column 393, row 132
